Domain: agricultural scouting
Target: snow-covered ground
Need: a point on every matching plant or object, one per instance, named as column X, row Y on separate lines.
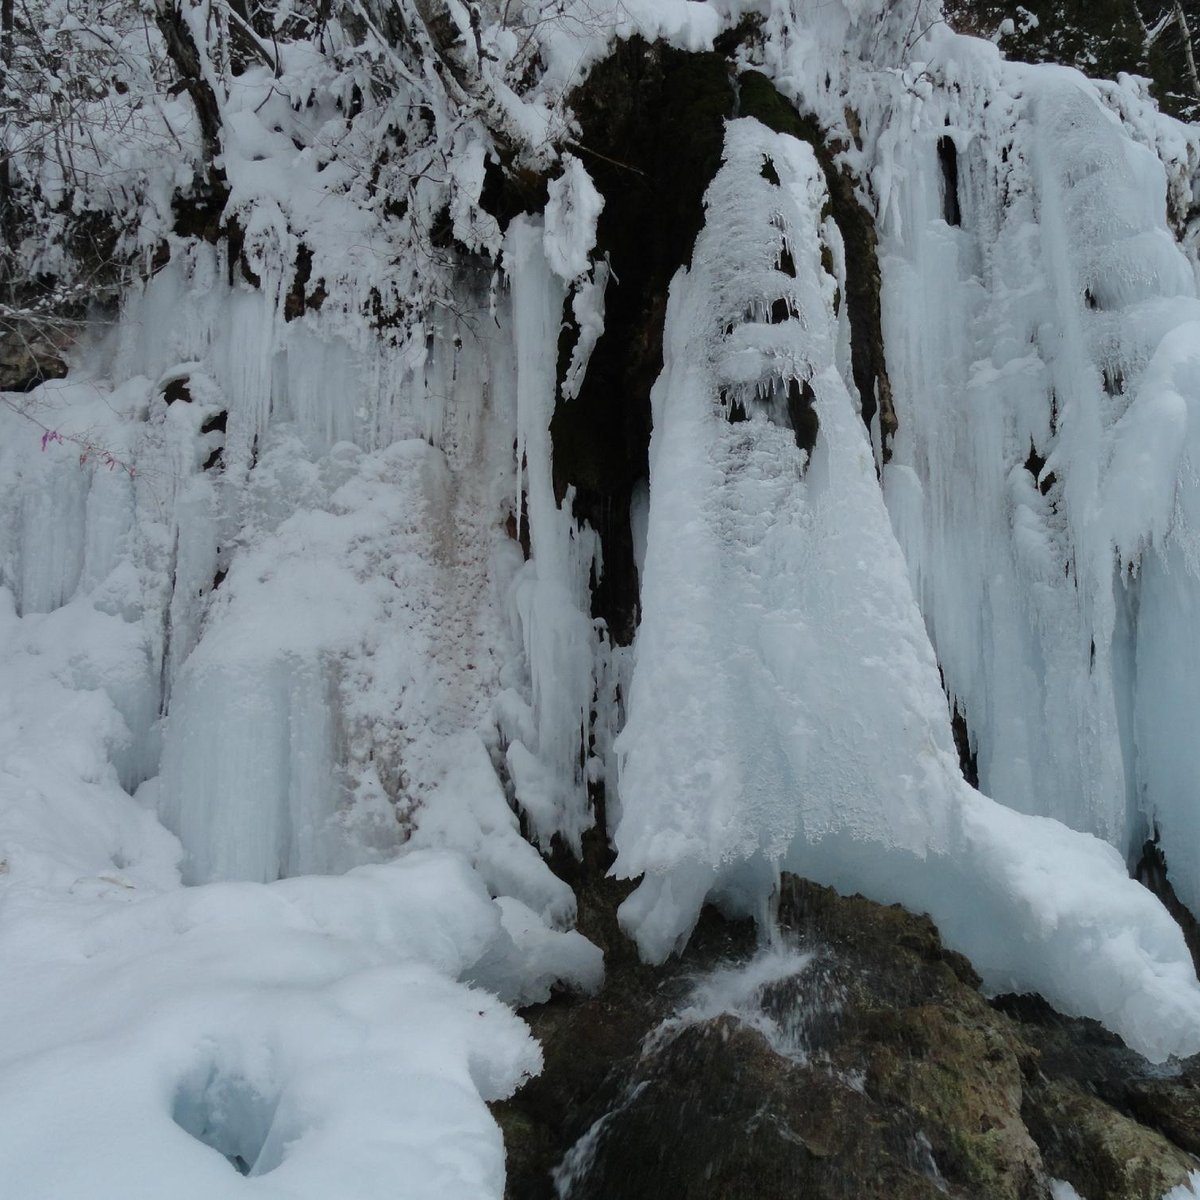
column 280, row 693
column 248, row 672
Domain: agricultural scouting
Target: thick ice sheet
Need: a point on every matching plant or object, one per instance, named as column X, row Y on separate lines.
column 1040, row 357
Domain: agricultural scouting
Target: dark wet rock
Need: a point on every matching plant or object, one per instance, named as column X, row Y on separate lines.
column 652, row 129
column 1107, row 1122
column 872, row 1065
column 592, row 1045
column 1101, row 1153
column 1151, row 872
column 1170, row 1105
column 30, row 356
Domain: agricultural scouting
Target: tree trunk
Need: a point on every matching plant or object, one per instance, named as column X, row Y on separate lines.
column 1188, row 54
column 7, row 216
column 181, row 49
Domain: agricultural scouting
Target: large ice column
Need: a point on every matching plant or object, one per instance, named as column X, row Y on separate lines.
column 759, row 711
column 786, row 710
column 548, row 739
column 754, row 615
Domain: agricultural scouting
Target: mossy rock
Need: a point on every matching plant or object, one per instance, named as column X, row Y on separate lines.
column 1102, row 1153
column 652, row 131
column 898, row 1078
column 714, row 1113
column 1169, row 1105
column 31, row 356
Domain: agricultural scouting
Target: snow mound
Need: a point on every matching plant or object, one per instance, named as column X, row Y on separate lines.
column 309, row 1034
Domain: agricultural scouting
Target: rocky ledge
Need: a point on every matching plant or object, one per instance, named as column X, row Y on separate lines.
column 864, row 1062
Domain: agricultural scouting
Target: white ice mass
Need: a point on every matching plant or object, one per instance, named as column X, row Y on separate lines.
column 298, row 671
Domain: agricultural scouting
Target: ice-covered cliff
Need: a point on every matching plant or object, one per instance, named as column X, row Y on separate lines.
column 702, row 463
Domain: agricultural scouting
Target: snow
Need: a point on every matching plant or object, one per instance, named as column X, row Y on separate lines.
column 573, row 207
column 298, row 672
column 312, row 1028
column 738, row 990
column 1044, row 386
column 550, row 597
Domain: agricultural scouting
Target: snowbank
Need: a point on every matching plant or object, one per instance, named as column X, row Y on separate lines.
column 309, row 1034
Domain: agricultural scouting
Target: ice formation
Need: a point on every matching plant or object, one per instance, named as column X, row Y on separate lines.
column 786, row 709
column 298, row 667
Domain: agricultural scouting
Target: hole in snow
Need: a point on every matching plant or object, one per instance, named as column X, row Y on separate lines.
column 229, row 1114
column 948, row 158
column 802, row 415
column 1035, row 464
column 178, row 391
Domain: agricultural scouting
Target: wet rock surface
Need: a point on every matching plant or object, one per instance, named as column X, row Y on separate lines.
column 30, row 356
column 868, row 1064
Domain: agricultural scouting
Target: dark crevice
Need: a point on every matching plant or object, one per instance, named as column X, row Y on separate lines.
column 302, row 297
column 1151, row 872
column 735, row 410
column 652, row 134
column 802, row 413
column 1114, row 381
column 968, row 760
column 216, row 423
column 519, row 530
column 1035, row 464
column 178, row 391
column 947, row 154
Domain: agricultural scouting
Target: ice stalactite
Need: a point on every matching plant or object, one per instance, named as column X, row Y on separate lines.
column 550, row 596
column 346, row 493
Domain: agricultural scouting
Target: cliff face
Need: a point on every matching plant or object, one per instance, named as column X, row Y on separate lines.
column 568, row 468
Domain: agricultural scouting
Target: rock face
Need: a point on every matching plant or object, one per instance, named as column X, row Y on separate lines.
column 28, row 357
column 869, row 1063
